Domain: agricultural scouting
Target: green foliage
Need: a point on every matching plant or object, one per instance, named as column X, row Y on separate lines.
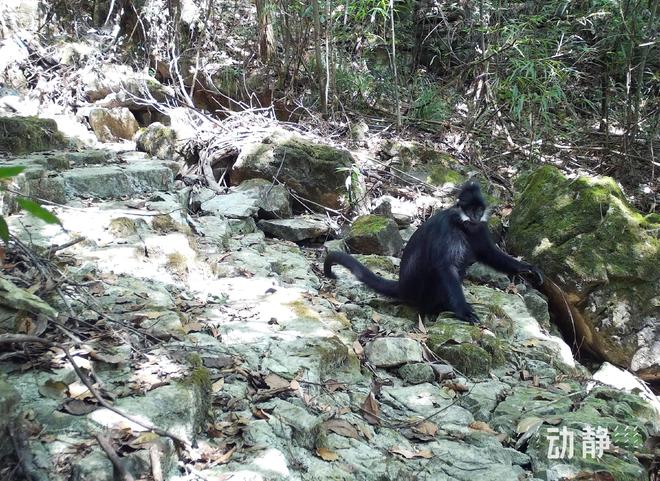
column 428, row 103
column 33, row 208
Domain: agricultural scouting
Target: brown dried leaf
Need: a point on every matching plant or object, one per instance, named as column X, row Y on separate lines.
column 53, row 389
column 341, row 427
column 276, row 382
column 370, row 409
column 76, row 407
column 410, row 454
column 359, row 350
column 482, row 426
column 326, row 455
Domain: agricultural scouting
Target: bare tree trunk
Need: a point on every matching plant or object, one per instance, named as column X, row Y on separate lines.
column 320, row 78
column 639, row 81
column 396, row 76
column 264, row 31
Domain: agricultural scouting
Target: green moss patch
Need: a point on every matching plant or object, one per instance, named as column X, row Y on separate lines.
column 22, row 135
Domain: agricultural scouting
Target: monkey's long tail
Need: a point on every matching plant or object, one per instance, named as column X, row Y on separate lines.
column 363, row 274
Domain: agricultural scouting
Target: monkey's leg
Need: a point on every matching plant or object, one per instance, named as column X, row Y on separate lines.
column 450, row 290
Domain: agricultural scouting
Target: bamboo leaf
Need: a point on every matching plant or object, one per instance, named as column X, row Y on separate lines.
column 36, row 210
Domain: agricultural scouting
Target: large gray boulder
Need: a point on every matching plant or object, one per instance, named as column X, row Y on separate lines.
column 112, row 124
column 316, row 172
column 23, row 135
column 603, row 258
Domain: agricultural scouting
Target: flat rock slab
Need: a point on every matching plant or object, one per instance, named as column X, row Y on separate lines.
column 393, row 351
column 235, row 205
column 114, row 181
column 296, row 229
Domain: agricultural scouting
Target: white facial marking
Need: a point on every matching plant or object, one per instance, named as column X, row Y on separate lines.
column 463, row 215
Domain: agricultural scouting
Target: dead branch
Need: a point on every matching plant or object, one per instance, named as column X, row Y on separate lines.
column 22, row 338
column 118, row 465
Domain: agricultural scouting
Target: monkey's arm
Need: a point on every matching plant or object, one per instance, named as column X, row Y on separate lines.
column 488, row 253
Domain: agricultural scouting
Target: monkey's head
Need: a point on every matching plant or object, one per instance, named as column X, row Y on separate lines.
column 471, row 205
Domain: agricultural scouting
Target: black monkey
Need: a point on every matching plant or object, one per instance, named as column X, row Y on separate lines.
column 436, row 257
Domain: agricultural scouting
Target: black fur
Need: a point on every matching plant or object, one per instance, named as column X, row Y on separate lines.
column 436, row 257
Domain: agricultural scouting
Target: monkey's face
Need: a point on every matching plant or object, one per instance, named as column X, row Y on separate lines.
column 472, row 214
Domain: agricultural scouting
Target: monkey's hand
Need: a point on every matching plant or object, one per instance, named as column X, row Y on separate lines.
column 536, row 272
column 470, row 316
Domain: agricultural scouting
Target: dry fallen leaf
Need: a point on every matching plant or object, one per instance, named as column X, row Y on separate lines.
column 326, row 455
column 276, row 382
column 426, row 427
column 53, row 389
column 370, row 409
column 410, row 454
column 218, row 385
column 341, row 427
column 482, row 426
column 528, row 423
column 359, row 350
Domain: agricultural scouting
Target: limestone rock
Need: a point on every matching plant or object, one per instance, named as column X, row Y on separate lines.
column 374, row 234
column 603, row 255
column 314, row 171
column 393, row 351
column 295, row 229
column 157, row 140
column 22, row 135
column 112, row 124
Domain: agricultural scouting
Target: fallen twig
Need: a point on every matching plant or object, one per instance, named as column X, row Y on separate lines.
column 23, row 338
column 120, row 470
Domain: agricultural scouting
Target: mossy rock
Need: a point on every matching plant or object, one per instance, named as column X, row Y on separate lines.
column 603, row 254
column 465, row 347
column 317, row 172
column 440, row 175
column 374, row 234
column 22, row 135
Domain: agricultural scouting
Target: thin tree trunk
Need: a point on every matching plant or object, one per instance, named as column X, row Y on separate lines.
column 396, row 76
column 320, row 78
column 264, row 31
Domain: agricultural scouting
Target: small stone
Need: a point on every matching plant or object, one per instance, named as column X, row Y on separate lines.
column 157, row 140
column 296, row 229
column 374, row 234
column 417, row 373
column 393, row 351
